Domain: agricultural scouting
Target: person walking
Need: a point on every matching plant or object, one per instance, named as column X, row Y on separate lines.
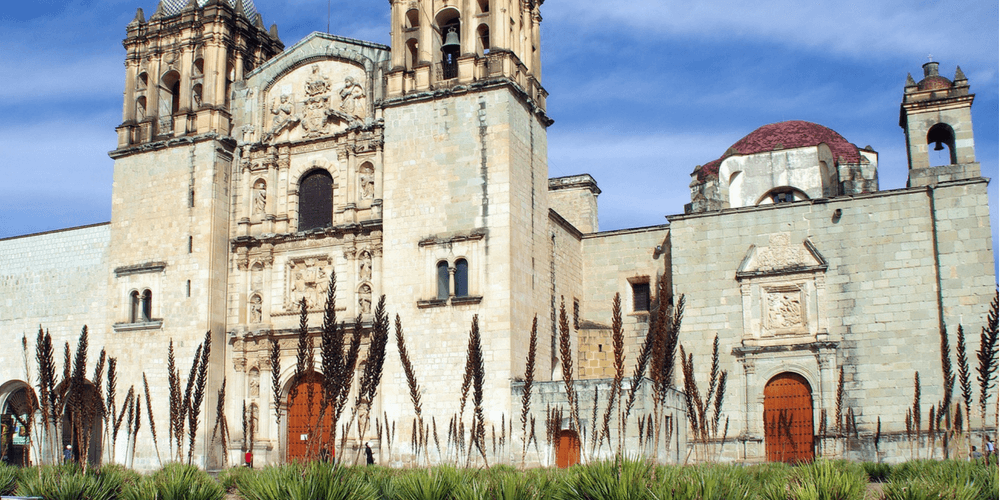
column 68, row 454
column 369, row 456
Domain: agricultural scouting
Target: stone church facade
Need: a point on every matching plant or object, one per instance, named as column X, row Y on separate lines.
column 247, row 173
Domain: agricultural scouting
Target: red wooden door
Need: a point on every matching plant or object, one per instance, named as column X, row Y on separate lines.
column 567, row 449
column 307, row 440
column 788, row 419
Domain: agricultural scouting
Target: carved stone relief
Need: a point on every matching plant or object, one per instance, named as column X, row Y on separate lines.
column 308, row 278
column 779, row 253
column 783, row 309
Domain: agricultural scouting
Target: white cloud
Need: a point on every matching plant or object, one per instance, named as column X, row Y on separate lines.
column 856, row 28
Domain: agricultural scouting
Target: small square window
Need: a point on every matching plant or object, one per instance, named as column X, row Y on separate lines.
column 640, row 297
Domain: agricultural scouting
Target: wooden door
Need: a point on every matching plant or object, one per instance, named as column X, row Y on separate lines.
column 306, row 439
column 788, row 419
column 567, row 449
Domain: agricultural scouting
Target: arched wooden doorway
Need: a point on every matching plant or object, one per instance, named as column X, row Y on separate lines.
column 788, row 419
column 306, row 439
column 15, row 444
column 567, row 449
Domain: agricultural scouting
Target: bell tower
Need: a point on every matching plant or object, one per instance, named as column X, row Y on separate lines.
column 439, row 44
column 936, row 113
column 168, row 251
column 181, row 64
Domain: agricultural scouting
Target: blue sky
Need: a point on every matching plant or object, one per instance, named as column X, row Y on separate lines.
column 641, row 91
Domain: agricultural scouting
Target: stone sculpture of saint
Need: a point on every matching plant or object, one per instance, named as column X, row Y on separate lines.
column 366, row 266
column 259, row 197
column 255, row 310
column 282, row 111
column 352, row 97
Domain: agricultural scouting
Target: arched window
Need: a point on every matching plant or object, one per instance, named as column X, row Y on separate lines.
column 783, row 194
column 140, row 108
column 484, row 6
column 170, row 93
column 147, row 305
column 315, row 200
column 199, row 67
column 134, row 307
column 411, row 54
column 412, row 19
column 142, row 81
column 942, row 136
column 442, row 280
column 483, row 40
column 461, row 278
column 196, row 96
column 449, row 22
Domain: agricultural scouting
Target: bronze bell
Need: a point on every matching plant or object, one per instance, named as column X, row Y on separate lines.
column 938, row 146
column 451, row 41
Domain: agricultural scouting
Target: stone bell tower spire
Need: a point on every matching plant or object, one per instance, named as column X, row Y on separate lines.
column 439, row 44
column 937, row 112
column 181, row 63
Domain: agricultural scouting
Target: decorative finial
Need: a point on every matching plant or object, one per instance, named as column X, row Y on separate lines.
column 139, row 17
column 909, row 81
column 930, row 58
column 274, row 31
column 959, row 75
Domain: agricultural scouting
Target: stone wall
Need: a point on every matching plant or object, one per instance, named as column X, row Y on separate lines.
column 612, row 262
column 56, row 280
column 875, row 306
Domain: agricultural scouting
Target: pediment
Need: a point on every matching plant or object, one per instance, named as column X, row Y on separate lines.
column 315, row 100
column 779, row 257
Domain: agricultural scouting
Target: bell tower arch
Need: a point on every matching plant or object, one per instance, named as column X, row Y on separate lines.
column 443, row 43
column 936, row 117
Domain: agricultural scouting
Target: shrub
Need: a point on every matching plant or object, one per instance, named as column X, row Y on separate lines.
column 877, row 472
column 68, row 482
column 315, row 481
column 186, row 482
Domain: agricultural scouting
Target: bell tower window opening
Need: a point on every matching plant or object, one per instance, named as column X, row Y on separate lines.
column 412, row 19
column 484, row 6
column 170, row 93
column 451, row 46
column 411, row 54
column 142, row 81
column 783, row 194
column 941, row 136
column 443, row 280
column 196, row 96
column 461, row 278
column 315, row 200
column 483, row 40
column 199, row 67
column 140, row 108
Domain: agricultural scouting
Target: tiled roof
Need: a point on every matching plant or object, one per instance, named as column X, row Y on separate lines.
column 785, row 135
column 173, row 7
column 934, row 82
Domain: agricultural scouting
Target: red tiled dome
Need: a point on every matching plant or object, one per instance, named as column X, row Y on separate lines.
column 786, row 135
column 934, row 82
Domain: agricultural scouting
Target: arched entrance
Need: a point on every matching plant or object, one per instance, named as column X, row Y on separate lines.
column 306, row 438
column 15, row 442
column 82, row 421
column 567, row 449
column 788, row 419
